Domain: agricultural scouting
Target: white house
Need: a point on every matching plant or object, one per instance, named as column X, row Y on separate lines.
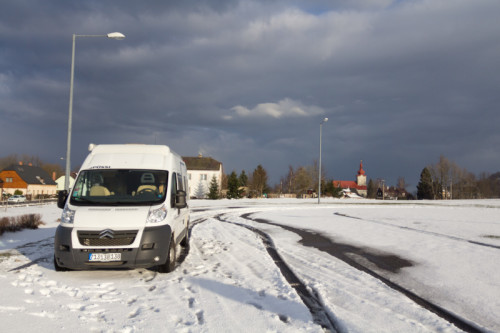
column 61, row 182
column 200, row 172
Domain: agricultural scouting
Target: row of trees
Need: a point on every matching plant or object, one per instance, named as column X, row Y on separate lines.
column 443, row 180
column 446, row 180
column 304, row 180
column 298, row 181
column 239, row 186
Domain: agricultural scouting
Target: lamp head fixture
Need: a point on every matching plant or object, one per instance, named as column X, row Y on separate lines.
column 116, row 35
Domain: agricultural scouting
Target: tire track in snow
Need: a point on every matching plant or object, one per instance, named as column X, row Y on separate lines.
column 420, row 231
column 29, row 250
column 310, row 299
column 459, row 322
column 42, row 251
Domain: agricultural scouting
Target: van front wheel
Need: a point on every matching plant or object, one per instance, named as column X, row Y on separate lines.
column 169, row 265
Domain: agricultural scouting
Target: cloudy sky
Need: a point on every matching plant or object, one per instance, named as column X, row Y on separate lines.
column 248, row 82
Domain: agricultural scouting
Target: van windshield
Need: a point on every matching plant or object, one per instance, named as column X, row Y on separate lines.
column 119, row 187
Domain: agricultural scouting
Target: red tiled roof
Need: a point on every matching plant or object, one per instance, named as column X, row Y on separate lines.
column 348, row 184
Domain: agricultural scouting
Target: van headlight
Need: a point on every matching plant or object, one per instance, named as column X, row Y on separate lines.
column 68, row 215
column 157, row 215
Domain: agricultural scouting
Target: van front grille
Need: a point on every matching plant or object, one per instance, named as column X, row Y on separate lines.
column 107, row 237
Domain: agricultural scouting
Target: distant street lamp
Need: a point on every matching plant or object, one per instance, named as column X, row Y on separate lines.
column 114, row 35
column 319, row 175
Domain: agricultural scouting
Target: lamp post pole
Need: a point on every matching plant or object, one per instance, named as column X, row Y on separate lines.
column 319, row 172
column 113, row 35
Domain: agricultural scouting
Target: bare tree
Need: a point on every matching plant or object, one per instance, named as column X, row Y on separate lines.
column 32, row 160
column 259, row 180
column 50, row 168
column 288, row 181
column 8, row 161
column 451, row 181
column 402, row 183
column 303, row 180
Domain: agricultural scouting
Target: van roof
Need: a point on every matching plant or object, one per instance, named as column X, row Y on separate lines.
column 132, row 156
column 130, row 148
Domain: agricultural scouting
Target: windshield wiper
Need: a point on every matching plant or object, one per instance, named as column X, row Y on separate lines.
column 82, row 199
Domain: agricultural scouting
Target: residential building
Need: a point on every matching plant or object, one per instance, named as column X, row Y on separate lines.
column 32, row 181
column 359, row 184
column 61, row 182
column 201, row 170
column 392, row 193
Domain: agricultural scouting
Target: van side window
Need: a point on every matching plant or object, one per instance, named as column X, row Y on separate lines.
column 173, row 190
column 180, row 183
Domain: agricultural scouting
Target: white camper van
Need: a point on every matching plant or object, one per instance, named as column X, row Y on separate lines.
column 127, row 208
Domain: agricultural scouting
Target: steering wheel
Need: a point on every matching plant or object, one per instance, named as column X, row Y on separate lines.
column 146, row 190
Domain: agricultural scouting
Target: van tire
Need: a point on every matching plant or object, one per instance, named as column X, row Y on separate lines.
column 169, row 265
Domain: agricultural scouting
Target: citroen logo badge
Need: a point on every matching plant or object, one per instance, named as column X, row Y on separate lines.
column 108, row 233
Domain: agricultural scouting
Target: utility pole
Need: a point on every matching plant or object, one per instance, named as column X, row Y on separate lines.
column 319, row 176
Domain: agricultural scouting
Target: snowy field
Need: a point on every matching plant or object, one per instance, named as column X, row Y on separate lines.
column 446, row 252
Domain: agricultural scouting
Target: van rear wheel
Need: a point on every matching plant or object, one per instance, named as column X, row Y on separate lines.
column 169, row 265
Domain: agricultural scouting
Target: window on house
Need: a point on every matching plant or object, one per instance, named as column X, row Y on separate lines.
column 203, row 176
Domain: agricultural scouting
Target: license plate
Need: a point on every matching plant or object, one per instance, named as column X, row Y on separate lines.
column 104, row 257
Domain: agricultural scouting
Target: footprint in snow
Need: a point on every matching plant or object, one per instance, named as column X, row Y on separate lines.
column 45, row 292
column 76, row 307
column 134, row 313
column 199, row 316
column 191, row 302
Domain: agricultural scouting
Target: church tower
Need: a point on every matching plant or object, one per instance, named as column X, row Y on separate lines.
column 361, row 177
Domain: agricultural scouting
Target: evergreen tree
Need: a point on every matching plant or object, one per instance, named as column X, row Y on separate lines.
column 233, row 185
column 200, row 191
column 424, row 187
column 332, row 190
column 243, row 179
column 371, row 190
column 213, row 192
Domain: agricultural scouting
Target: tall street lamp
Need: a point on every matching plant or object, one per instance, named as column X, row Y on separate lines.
column 113, row 35
column 319, row 174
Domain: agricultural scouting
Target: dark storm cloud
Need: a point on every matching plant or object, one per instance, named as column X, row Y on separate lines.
column 248, row 82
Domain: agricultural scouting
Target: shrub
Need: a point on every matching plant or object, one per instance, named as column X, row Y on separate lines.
column 30, row 221
column 4, row 224
column 18, row 223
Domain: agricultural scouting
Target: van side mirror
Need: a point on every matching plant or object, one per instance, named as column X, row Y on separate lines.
column 180, row 199
column 62, row 196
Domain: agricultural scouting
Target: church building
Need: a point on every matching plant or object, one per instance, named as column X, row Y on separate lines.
column 359, row 185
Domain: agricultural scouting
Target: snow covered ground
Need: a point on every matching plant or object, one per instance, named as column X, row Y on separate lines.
column 229, row 283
